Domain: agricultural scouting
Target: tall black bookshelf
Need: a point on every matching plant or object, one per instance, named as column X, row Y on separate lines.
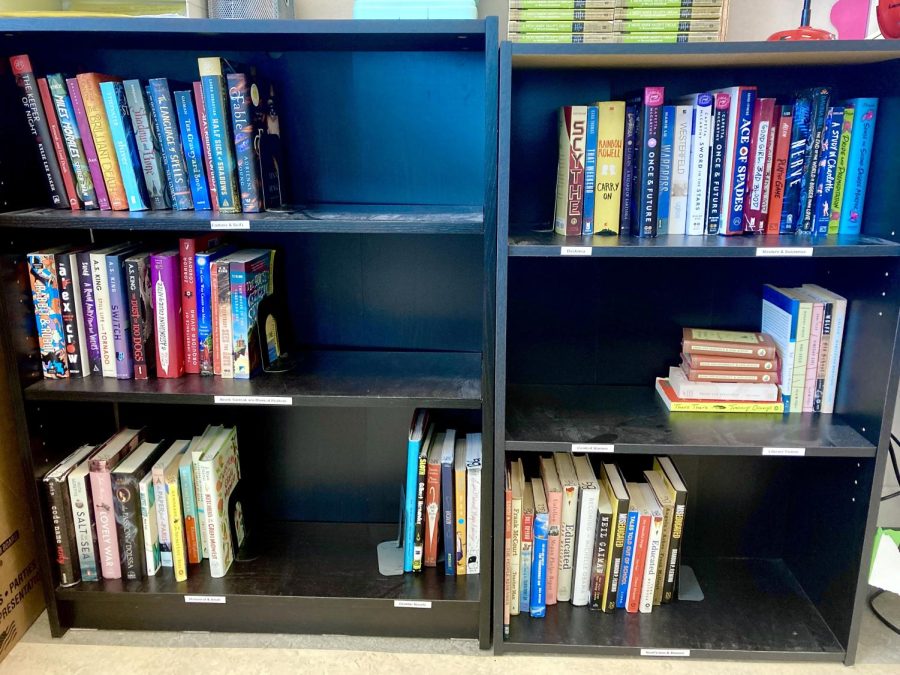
column 780, row 544
column 387, row 265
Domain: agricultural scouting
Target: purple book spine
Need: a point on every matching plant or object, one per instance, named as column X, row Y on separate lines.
column 88, row 140
column 91, row 330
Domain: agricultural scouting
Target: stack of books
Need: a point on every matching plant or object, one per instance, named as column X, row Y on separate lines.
column 442, row 499
column 716, row 162
column 129, row 313
column 605, row 543
column 213, row 145
column 128, row 507
column 617, row 21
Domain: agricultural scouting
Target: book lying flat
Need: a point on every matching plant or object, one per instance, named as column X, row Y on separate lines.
column 675, row 404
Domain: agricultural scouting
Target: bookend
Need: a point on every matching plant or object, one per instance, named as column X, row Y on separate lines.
column 688, row 586
column 390, row 553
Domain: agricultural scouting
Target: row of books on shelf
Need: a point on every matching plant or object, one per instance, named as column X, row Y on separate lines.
column 442, row 499
column 128, row 507
column 792, row 365
column 113, row 145
column 125, row 312
column 616, row 21
column 608, row 544
column 720, row 162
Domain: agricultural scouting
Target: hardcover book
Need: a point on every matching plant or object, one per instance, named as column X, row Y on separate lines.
column 665, row 168
column 59, row 147
column 720, row 391
column 681, row 161
column 220, row 473
column 251, row 281
column 48, row 312
column 71, row 135
column 148, row 146
column 89, row 312
column 203, row 122
column 165, row 119
column 568, row 523
column 215, row 100
column 143, row 320
column 70, row 306
column 589, row 491
column 569, row 214
column 95, row 111
column 608, row 187
column 83, row 518
column 267, row 143
column 100, row 279
column 240, row 100
column 473, row 503
column 220, row 275
column 675, row 404
column 728, row 342
column 119, row 118
column 553, row 495
column 666, row 502
column 538, row 605
column 206, row 306
column 64, row 528
column 767, row 175
column 763, row 120
column 646, row 172
column 715, row 204
column 820, row 106
column 730, row 363
column 447, row 506
column 600, row 556
column 164, row 269
column 173, row 508
column 188, row 248
column 192, row 144
column 675, row 486
column 787, row 320
column 627, row 551
column 614, row 486
column 735, row 185
column 87, row 140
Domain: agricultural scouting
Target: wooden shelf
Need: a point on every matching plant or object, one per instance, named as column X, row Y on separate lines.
column 552, row 418
column 542, row 243
column 322, row 378
column 327, row 218
column 752, row 609
column 301, row 577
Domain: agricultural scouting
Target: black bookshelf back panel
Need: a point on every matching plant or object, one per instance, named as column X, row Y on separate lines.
column 538, row 94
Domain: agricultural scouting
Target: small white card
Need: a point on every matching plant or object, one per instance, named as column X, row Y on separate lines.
column 253, row 400
column 665, row 652
column 205, row 599
column 576, row 250
column 229, row 224
column 784, row 252
column 784, row 452
column 593, row 447
column 413, row 604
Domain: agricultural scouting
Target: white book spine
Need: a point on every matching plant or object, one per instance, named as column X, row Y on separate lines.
column 681, row 164
column 162, row 519
column 777, row 323
column 587, row 525
column 567, row 526
column 514, row 557
column 651, row 567
column 698, row 180
column 473, row 520
column 839, row 318
column 104, row 315
column 84, row 528
column 149, row 526
column 83, row 354
column 201, row 504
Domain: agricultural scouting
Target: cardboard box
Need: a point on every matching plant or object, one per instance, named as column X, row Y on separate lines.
column 21, row 593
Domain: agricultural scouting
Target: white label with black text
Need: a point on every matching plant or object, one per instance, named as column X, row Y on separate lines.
column 784, row 252
column 413, row 604
column 229, row 224
column 665, row 652
column 253, row 400
column 205, row 599
column 576, row 250
column 593, row 447
column 784, row 452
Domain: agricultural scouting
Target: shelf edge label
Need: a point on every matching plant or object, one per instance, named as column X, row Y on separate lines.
column 665, row 652
column 229, row 224
column 254, row 400
column 593, row 447
column 576, row 250
column 413, row 604
column 784, row 452
column 784, row 252
column 205, row 599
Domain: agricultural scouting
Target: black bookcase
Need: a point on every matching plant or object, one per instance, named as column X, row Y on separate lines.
column 780, row 545
column 387, row 267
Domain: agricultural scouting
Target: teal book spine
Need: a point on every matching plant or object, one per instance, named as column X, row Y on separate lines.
column 861, row 139
column 68, row 125
column 126, row 147
column 249, row 278
column 590, row 169
column 215, row 100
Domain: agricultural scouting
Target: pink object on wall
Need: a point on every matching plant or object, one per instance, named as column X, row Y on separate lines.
column 851, row 18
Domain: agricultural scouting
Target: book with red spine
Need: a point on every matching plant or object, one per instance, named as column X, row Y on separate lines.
column 569, row 213
column 203, row 121
column 728, row 342
column 95, row 109
column 58, row 147
column 40, row 130
column 726, row 362
column 770, row 163
column 641, row 544
column 433, row 501
column 188, row 247
column 763, row 114
column 780, row 169
column 87, row 139
column 167, row 313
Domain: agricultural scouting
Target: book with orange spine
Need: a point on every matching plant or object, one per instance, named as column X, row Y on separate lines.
column 89, row 85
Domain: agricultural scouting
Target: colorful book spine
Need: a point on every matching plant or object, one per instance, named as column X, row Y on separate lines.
column 249, row 278
column 223, row 317
column 638, row 561
column 538, row 604
column 608, row 187
column 646, row 174
column 120, row 315
column 831, row 140
column 188, row 248
column 628, row 167
column 553, row 495
column 821, row 102
column 87, row 140
column 89, row 312
column 447, row 518
column 119, row 118
column 246, row 155
column 569, row 214
column 654, row 547
column 83, row 518
column 149, row 525
column 84, row 185
column 770, row 163
column 64, row 541
column 48, row 314
column 507, row 550
column 763, row 113
column 812, row 358
column 801, row 130
column 59, row 147
column 196, row 451
column 862, row 137
column 737, row 166
column 459, row 487
column 148, row 145
column 835, row 342
column 215, row 100
column 167, row 314
column 473, row 503
column 718, row 153
column 192, row 144
column 104, row 318
column 665, row 168
column 170, row 140
column 699, row 155
column 840, row 172
column 67, row 282
column 203, row 122
column 780, row 319
column 40, row 130
column 681, row 168
column 432, row 510
column 206, row 308
column 140, row 304
column 526, row 549
column 780, row 168
column 419, row 526
column 89, row 84
column 127, row 504
column 627, row 558
column 189, row 509
column 162, row 518
column 590, row 170
column 219, row 476
column 600, row 561
column 176, row 522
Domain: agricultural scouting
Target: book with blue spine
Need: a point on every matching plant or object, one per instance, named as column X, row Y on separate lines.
column 120, row 311
column 831, row 140
column 202, row 274
column 646, row 169
column 590, row 169
column 119, row 118
column 148, row 145
column 193, row 150
column 246, row 153
column 627, row 556
column 821, row 99
column 250, row 283
column 791, row 211
column 417, row 436
column 665, row 168
column 68, row 125
column 717, row 151
column 736, row 183
column 541, row 529
column 781, row 318
column 447, row 518
column 215, row 99
column 858, row 160
column 173, row 157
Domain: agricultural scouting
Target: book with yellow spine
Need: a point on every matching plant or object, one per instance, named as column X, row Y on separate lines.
column 174, row 512
column 675, row 404
column 610, row 144
column 95, row 110
column 459, row 487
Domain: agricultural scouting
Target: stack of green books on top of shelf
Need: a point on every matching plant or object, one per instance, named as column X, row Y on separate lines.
column 616, row 21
